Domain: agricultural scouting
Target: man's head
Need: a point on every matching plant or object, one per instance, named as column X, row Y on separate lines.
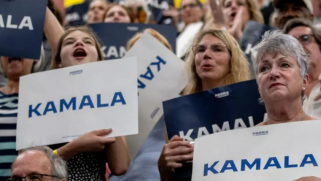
column 290, row 9
column 39, row 163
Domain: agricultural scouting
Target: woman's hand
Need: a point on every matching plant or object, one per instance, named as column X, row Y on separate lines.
column 90, row 142
column 217, row 12
column 236, row 29
column 174, row 152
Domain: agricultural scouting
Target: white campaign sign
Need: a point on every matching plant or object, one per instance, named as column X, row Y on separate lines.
column 281, row 152
column 60, row 105
column 161, row 76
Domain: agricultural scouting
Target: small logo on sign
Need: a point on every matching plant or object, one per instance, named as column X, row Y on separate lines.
column 260, row 133
column 75, row 72
column 222, row 94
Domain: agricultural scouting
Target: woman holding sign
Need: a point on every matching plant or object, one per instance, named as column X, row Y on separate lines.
column 281, row 67
column 87, row 155
column 215, row 60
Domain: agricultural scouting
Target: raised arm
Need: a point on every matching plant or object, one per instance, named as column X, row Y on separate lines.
column 118, row 156
column 53, row 30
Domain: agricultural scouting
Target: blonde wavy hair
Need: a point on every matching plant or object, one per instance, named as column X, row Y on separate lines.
column 239, row 66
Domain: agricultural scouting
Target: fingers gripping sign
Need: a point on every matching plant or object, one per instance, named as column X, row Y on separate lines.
column 175, row 152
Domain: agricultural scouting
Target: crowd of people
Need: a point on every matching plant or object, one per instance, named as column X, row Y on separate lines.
column 285, row 63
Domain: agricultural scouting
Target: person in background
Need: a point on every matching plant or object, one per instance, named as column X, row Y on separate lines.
column 190, row 11
column 238, row 12
column 232, row 15
column 88, row 153
column 144, row 166
column 38, row 163
column 14, row 68
column 267, row 9
column 310, row 39
column 281, row 66
column 215, row 60
column 290, row 9
column 317, row 12
column 96, row 11
column 116, row 13
column 140, row 10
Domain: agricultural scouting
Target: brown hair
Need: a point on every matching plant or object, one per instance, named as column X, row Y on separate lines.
column 154, row 33
column 129, row 11
column 239, row 66
column 57, row 59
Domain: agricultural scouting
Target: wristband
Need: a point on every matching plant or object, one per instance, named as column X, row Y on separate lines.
column 55, row 152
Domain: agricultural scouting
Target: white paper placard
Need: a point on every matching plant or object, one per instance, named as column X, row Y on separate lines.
column 76, row 100
column 281, row 152
column 161, row 76
column 186, row 38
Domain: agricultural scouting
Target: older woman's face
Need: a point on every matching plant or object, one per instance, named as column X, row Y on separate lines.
column 305, row 37
column 232, row 7
column 78, row 48
column 117, row 14
column 16, row 67
column 279, row 78
column 211, row 58
column 190, row 11
column 96, row 12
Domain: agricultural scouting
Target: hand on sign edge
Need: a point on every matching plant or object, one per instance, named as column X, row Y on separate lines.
column 175, row 151
column 92, row 141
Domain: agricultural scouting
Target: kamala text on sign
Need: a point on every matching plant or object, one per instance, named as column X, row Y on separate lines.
column 149, row 75
column 22, row 24
column 26, row 22
column 86, row 100
column 75, row 100
column 272, row 162
column 274, row 152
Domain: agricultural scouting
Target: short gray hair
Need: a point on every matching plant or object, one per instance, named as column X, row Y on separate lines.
column 58, row 165
column 277, row 42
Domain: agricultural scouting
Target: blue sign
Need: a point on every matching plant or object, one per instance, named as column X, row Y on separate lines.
column 252, row 35
column 21, row 28
column 76, row 15
column 221, row 109
column 114, row 36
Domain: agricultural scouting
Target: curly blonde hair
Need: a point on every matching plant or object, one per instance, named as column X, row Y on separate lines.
column 239, row 66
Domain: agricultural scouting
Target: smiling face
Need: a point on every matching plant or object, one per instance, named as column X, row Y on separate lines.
column 78, row 48
column 279, row 78
column 232, row 7
column 212, row 58
column 117, row 14
column 16, row 67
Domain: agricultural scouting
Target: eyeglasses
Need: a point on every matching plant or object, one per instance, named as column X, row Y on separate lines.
column 193, row 5
column 216, row 48
column 33, row 177
column 305, row 39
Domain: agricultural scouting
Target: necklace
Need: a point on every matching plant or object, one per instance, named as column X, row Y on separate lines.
column 303, row 116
